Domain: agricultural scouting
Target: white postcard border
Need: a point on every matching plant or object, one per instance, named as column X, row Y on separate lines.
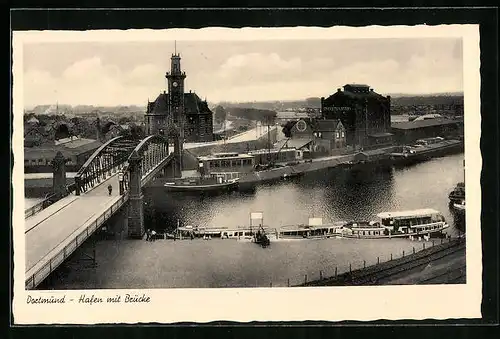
column 264, row 304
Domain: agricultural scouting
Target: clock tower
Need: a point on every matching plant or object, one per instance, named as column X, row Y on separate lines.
column 175, row 84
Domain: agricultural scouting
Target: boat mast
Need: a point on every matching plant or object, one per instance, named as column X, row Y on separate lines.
column 366, row 121
column 268, row 141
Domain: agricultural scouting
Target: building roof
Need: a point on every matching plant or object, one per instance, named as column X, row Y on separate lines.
column 68, row 149
column 219, row 156
column 294, row 143
column 380, row 135
column 406, row 125
column 366, row 93
column 33, row 120
column 192, row 105
column 34, row 153
column 413, row 213
column 357, row 85
column 326, row 125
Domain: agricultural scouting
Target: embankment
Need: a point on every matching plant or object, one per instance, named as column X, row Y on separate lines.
column 381, row 273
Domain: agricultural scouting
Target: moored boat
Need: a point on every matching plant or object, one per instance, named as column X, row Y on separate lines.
column 425, row 149
column 201, row 184
column 314, row 230
column 458, row 193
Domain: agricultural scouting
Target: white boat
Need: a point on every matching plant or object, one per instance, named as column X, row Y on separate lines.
column 403, row 224
column 311, row 231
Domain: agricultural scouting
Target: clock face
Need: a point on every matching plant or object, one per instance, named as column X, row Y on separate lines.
column 174, row 84
column 301, row 125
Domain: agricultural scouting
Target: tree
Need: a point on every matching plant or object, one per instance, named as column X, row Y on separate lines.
column 136, row 132
column 124, row 120
column 220, row 114
column 287, row 128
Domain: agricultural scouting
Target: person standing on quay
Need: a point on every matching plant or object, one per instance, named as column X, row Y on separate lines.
column 148, row 232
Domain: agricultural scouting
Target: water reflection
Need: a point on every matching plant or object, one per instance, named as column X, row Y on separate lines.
column 334, row 195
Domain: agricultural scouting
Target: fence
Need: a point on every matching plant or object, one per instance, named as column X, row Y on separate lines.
column 52, row 198
column 364, row 272
column 39, row 274
column 49, row 200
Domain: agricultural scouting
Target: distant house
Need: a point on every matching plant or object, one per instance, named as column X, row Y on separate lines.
column 320, row 136
column 75, row 150
column 33, row 121
column 409, row 131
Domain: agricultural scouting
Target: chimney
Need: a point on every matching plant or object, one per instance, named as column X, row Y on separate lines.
column 339, row 90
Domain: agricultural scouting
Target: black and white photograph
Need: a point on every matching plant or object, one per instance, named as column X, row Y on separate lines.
column 188, row 162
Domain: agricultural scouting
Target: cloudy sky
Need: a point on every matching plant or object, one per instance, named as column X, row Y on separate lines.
column 124, row 73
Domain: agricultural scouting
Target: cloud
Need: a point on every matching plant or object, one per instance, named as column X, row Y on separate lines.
column 419, row 74
column 241, row 68
column 89, row 81
column 243, row 72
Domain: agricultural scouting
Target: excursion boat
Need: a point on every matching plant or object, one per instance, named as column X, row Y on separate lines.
column 404, row 224
column 310, row 231
column 458, row 193
column 218, row 182
column 425, row 149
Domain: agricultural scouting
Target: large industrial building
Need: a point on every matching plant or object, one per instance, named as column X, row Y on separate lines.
column 365, row 114
column 186, row 111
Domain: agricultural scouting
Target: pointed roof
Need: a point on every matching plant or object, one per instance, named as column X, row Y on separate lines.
column 192, row 105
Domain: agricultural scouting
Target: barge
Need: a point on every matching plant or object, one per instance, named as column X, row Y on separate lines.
column 425, row 149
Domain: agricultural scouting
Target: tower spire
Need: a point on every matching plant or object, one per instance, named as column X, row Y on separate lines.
column 175, row 47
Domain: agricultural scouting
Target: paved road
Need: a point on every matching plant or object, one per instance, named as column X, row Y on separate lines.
column 252, row 134
column 55, row 224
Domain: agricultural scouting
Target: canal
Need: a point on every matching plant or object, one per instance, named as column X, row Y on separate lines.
column 333, row 195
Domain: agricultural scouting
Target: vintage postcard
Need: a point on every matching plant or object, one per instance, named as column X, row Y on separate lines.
column 254, row 174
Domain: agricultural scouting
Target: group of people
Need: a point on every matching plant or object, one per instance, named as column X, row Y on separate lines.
column 150, row 235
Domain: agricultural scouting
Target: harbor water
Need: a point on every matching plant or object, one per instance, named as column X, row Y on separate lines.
column 333, row 195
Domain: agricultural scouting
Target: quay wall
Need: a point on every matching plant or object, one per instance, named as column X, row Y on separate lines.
column 317, row 164
column 371, row 275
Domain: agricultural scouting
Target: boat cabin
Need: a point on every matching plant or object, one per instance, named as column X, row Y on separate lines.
column 284, row 155
column 225, row 162
column 310, row 231
column 415, row 221
column 364, row 228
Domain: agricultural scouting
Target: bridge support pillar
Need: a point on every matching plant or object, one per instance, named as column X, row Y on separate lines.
column 177, row 161
column 59, row 175
column 136, row 201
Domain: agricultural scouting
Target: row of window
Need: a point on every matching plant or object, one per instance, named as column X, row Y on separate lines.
column 44, row 162
column 229, row 163
column 367, row 232
column 409, row 222
column 338, row 135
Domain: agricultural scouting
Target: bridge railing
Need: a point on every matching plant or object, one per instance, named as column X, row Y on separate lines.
column 106, row 160
column 80, row 235
column 150, row 152
column 49, row 200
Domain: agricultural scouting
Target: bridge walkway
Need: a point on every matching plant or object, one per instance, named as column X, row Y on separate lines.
column 57, row 226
